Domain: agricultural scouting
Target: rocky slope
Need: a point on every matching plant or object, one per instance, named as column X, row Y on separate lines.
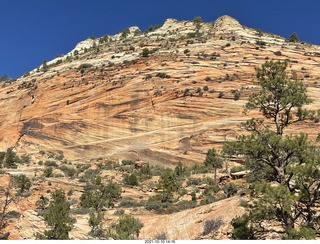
column 185, row 97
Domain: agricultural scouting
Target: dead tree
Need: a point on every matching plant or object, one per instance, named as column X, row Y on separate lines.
column 7, row 197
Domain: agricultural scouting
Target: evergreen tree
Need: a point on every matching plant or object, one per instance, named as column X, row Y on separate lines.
column 213, row 161
column 168, row 183
column 57, row 218
column 100, row 195
column 11, row 159
column 23, row 183
column 145, row 52
column 290, row 162
column 95, row 222
column 126, row 228
column 294, row 37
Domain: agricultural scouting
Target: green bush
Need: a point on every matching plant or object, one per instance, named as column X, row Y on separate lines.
column 278, row 53
column 237, row 169
column 236, row 96
column 119, row 212
column 241, row 229
column 13, row 215
column 80, row 211
column 23, row 183
column 145, row 52
column 161, row 236
column 84, row 66
column 212, row 225
column 183, row 205
column 48, row 172
column 221, row 94
column 51, row 164
column 131, row 179
column 128, row 202
column 230, row 189
column 126, row 228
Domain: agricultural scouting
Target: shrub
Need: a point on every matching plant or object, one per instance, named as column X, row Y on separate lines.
column 127, row 162
column 237, row 169
column 119, row 212
column 183, row 205
column 84, row 66
column 128, row 202
column 205, row 88
column 236, row 96
column 278, row 53
column 230, row 189
column 193, row 181
column 212, row 225
column 163, row 75
column 207, row 78
column 148, row 77
column 50, row 163
column 126, row 228
column 158, row 206
column 80, row 211
column 186, row 51
column 161, row 236
column 145, row 52
column 241, row 230
column 73, row 201
column 48, row 172
column 13, row 215
column 221, row 94
column 193, row 196
column 261, row 43
column 101, row 195
column 70, row 192
column 131, row 180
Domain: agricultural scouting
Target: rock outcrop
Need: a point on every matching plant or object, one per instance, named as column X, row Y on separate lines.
column 168, row 107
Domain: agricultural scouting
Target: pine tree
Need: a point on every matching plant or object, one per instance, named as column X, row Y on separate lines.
column 57, row 218
column 213, row 161
column 291, row 163
column 23, row 183
column 294, row 37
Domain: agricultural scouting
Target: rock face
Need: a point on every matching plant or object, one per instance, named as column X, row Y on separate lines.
column 168, row 107
column 226, row 24
column 189, row 224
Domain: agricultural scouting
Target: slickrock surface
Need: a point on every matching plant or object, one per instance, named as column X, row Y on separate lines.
column 122, row 107
column 188, row 224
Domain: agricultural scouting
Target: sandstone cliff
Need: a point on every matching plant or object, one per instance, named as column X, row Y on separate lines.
column 185, row 97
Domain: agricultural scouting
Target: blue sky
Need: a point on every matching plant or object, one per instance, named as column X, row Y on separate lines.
column 37, row 30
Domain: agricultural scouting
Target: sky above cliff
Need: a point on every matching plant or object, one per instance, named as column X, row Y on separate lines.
column 37, row 30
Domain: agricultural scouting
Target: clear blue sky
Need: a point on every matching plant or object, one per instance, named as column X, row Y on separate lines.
column 36, row 30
